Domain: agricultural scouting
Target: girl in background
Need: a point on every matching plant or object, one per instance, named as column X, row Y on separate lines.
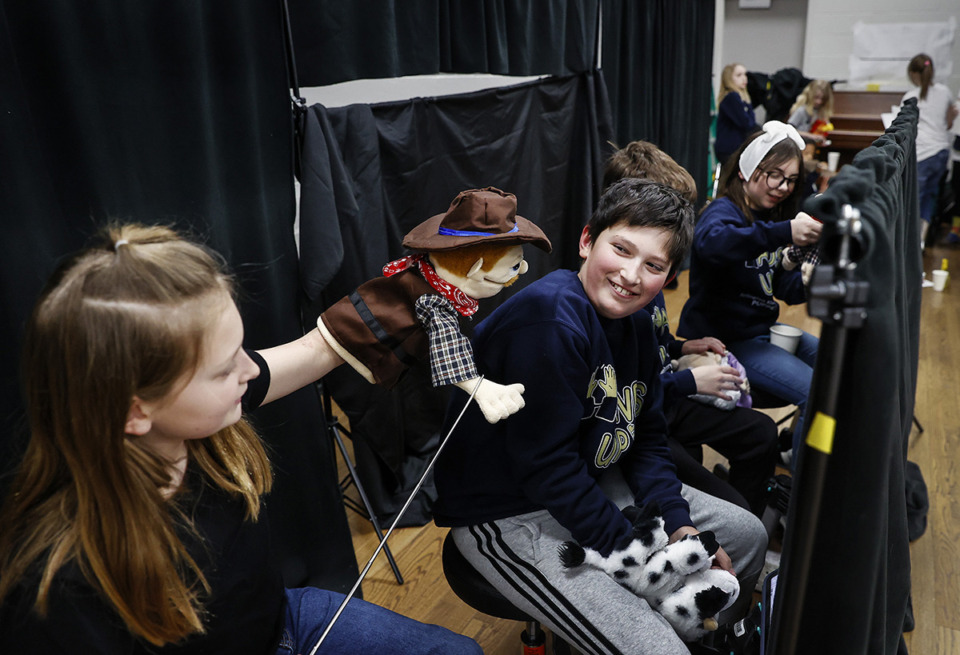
column 735, row 117
column 736, row 269
column 135, row 524
column 954, row 236
column 813, row 108
column 937, row 112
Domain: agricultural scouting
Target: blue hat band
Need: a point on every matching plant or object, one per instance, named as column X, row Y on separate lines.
column 467, row 233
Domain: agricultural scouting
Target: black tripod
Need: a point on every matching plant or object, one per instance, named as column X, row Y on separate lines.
column 365, row 509
column 838, row 299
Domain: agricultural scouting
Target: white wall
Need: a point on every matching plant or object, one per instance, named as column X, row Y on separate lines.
column 829, row 38
column 765, row 40
column 816, row 36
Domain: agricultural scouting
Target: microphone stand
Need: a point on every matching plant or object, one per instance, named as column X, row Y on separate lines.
column 837, row 298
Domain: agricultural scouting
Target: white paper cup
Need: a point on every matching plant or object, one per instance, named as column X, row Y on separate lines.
column 785, row 336
column 833, row 160
column 940, row 280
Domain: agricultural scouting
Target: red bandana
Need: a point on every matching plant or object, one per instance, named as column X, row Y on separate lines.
column 463, row 303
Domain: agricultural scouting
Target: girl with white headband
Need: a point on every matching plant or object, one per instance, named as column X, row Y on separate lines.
column 736, row 273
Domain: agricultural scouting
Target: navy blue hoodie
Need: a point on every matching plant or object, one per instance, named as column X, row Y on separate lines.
column 593, row 400
column 676, row 384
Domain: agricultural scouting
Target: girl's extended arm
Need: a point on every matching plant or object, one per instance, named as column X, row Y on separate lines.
column 298, row 363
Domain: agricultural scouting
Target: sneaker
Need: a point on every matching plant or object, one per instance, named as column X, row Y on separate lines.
column 740, row 638
column 771, row 562
column 785, row 439
column 786, row 457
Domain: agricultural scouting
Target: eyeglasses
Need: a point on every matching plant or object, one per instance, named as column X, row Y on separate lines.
column 775, row 178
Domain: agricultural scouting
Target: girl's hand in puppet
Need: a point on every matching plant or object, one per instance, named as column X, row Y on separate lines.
column 805, row 229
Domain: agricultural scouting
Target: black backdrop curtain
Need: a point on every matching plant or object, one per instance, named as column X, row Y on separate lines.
column 856, row 593
column 657, row 62
column 338, row 41
column 176, row 112
column 370, row 173
column 656, row 54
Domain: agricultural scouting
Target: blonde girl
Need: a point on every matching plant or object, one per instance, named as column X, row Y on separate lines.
column 735, row 117
column 135, row 521
column 813, row 105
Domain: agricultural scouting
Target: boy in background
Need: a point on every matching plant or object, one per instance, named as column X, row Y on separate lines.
column 746, row 437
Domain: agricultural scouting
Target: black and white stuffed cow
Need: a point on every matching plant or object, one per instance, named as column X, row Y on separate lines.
column 675, row 579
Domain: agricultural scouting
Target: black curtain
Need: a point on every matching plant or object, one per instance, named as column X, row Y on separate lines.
column 855, row 596
column 370, row 173
column 338, row 41
column 657, row 62
column 656, row 55
column 178, row 112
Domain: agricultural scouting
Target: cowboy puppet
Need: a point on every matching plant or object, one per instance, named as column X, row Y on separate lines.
column 389, row 323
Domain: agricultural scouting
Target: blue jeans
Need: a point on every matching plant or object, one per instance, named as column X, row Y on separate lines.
column 778, row 373
column 929, row 173
column 362, row 628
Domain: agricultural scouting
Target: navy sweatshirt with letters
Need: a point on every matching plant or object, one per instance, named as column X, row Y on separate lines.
column 736, row 275
column 593, row 400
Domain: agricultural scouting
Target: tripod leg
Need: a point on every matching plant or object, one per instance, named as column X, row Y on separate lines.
column 363, row 497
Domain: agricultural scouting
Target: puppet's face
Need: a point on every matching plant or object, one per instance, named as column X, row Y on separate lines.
column 479, row 283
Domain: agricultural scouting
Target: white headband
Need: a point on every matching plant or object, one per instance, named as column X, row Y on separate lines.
column 773, row 133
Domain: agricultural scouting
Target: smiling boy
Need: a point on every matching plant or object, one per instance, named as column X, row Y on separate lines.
column 591, row 438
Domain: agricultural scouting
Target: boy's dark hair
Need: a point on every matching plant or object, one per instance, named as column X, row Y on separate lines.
column 643, row 203
column 645, row 160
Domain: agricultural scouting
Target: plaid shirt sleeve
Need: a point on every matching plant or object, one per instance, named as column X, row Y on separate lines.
column 451, row 355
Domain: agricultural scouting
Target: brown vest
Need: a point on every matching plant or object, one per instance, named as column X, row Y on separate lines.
column 378, row 324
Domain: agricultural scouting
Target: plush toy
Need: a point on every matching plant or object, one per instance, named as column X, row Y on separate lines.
column 470, row 252
column 738, row 397
column 675, row 579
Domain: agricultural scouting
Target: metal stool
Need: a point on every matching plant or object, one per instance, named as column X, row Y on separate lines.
column 473, row 589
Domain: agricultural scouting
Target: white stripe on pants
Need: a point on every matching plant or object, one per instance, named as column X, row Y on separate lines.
column 592, row 612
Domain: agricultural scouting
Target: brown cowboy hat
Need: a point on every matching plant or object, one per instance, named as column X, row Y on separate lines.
column 476, row 216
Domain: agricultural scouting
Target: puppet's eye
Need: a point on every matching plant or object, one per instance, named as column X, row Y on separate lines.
column 517, row 266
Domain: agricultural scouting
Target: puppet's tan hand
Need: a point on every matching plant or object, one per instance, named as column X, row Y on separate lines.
column 496, row 401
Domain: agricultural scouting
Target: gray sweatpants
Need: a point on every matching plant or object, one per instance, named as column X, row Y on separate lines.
column 593, row 613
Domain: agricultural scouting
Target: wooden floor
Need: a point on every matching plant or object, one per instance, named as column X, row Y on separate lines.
column 935, row 556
